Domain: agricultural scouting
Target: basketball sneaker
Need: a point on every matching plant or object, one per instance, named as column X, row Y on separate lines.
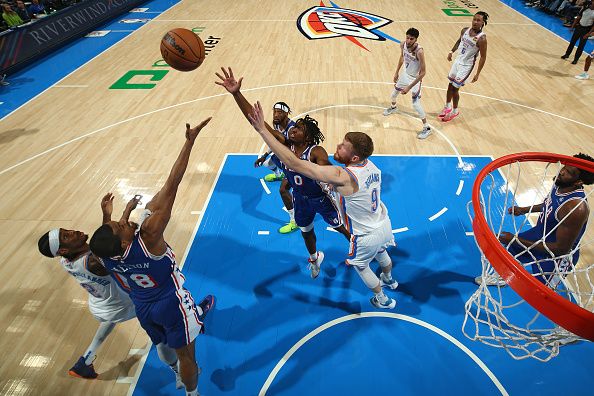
column 314, row 265
column 392, row 283
column 424, row 134
column 82, row 370
column 3, row 81
column 390, row 110
column 272, row 177
column 389, row 304
column 450, row 116
column 583, row 76
column 490, row 280
column 289, row 227
column 206, row 305
column 445, row 111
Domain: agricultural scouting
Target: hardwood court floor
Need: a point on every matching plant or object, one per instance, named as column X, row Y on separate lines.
column 66, row 148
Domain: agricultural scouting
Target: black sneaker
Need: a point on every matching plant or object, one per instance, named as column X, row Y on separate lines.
column 82, row 370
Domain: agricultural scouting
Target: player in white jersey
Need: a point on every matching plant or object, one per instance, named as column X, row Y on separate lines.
column 473, row 41
column 413, row 58
column 359, row 182
column 107, row 302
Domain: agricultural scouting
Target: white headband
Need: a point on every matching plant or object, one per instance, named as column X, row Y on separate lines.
column 54, row 241
column 282, row 107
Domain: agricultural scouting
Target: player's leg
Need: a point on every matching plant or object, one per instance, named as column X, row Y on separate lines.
column 450, row 92
column 328, row 209
column 188, row 368
column 385, row 263
column 581, row 45
column 272, row 164
column 361, row 252
column 400, row 84
column 416, row 103
column 169, row 357
column 574, row 39
column 287, row 197
column 83, row 368
column 585, row 75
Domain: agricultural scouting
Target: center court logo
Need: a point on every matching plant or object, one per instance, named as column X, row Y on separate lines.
column 323, row 22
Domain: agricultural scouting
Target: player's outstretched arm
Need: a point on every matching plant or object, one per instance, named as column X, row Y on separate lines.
column 162, row 203
column 130, row 206
column 334, row 175
column 107, row 207
column 482, row 44
column 233, row 86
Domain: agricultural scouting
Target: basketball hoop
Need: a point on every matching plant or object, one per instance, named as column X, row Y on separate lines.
column 526, row 323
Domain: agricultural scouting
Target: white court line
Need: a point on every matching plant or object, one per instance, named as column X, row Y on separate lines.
column 331, row 229
column 142, row 361
column 460, row 186
column 69, row 86
column 399, row 230
column 250, row 90
column 293, row 21
column 125, row 380
column 264, row 186
column 436, row 215
column 196, row 212
column 285, row 209
column 457, row 153
column 362, row 315
column 469, row 233
column 263, row 232
column 137, row 351
column 121, row 31
column 81, row 66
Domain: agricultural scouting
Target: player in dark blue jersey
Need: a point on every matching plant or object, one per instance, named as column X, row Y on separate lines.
column 144, row 263
column 283, row 124
column 550, row 248
column 309, row 197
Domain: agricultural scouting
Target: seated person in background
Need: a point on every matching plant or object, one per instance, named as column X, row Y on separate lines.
column 22, row 11
column 11, row 18
column 36, row 9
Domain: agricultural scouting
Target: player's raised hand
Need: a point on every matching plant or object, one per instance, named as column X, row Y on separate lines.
column 257, row 117
column 259, row 161
column 192, row 133
column 505, row 237
column 475, row 78
column 107, row 204
column 228, row 81
column 133, row 203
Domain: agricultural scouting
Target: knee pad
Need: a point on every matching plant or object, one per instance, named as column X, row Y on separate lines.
column 383, row 259
column 368, row 276
column 418, row 108
column 394, row 95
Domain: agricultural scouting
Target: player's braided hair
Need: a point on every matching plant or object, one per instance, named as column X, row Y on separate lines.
column 484, row 15
column 313, row 135
column 586, row 177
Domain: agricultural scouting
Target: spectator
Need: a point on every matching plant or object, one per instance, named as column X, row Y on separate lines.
column 36, row 9
column 582, row 26
column 11, row 18
column 22, row 11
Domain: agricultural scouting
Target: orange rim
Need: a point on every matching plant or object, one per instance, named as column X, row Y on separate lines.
column 558, row 309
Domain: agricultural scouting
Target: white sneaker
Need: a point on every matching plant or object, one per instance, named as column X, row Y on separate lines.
column 389, row 304
column 392, row 283
column 314, row 266
column 490, row 280
column 390, row 110
column 424, row 134
column 583, row 76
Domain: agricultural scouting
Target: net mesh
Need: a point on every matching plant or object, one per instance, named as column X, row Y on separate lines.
column 511, row 198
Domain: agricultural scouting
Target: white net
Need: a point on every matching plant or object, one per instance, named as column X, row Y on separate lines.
column 527, row 212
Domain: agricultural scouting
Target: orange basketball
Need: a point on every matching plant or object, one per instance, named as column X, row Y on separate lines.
column 182, row 49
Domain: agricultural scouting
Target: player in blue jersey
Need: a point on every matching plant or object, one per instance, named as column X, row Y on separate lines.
column 309, row 197
column 141, row 260
column 282, row 123
column 551, row 246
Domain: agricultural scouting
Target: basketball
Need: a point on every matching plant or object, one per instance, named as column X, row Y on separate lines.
column 182, row 49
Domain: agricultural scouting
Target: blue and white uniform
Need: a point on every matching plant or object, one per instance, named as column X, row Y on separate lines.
column 466, row 59
column 309, row 198
column 107, row 302
column 273, row 160
column 366, row 215
column 412, row 67
column 165, row 309
column 544, row 262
